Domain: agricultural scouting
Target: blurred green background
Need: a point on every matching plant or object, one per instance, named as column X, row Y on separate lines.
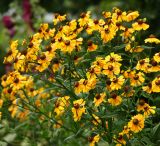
column 26, row 15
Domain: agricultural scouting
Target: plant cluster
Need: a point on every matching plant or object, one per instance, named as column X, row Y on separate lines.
column 88, row 76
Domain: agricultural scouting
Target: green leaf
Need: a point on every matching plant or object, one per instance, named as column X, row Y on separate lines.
column 146, row 47
column 70, row 137
column 120, row 47
column 156, row 132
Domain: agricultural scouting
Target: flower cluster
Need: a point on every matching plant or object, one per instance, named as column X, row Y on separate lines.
column 87, row 76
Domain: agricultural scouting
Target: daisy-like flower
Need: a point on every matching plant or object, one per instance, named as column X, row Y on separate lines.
column 99, row 98
column 145, row 108
column 78, row 109
column 156, row 57
column 152, row 39
column 113, row 58
column 118, row 15
column 60, row 105
column 91, row 46
column 143, row 65
column 137, row 79
column 12, row 53
column 140, row 25
column 115, row 100
column 108, row 33
column 136, row 124
column 88, row 84
column 84, row 18
column 93, row 139
column 148, row 88
column 58, row 18
column 111, row 69
column 120, row 140
column 117, row 82
column 156, row 85
column 132, row 16
column 93, row 71
column 153, row 66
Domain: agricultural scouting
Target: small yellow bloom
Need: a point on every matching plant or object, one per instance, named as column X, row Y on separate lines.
column 94, row 139
column 115, row 100
column 137, row 123
column 99, row 98
column 78, row 109
column 152, row 39
column 91, row 46
column 132, row 16
column 117, row 82
column 156, row 85
column 140, row 25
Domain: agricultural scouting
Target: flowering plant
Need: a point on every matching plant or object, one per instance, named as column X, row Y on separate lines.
column 89, row 77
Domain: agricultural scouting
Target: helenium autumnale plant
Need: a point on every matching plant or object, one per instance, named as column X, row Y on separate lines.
column 90, row 78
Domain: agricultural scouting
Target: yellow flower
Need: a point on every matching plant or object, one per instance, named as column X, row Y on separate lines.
column 148, row 110
column 117, row 82
column 127, row 33
column 93, row 71
column 99, row 62
column 68, row 46
column 44, row 32
column 143, row 65
column 78, row 86
column 19, row 62
column 113, row 58
column 44, row 60
column 152, row 39
column 94, row 139
column 139, row 25
column 108, row 33
column 94, row 25
column 115, row 100
column 61, row 104
column 132, row 16
column 91, row 46
column 106, row 14
column 58, row 18
column 120, row 140
column 84, row 19
column 137, row 79
column 156, row 57
column 119, row 16
column 111, row 69
column 156, row 85
column 137, row 123
column 78, row 109
column 153, row 66
column 87, row 85
column 56, row 65
column 99, row 98
column 128, row 91
column 12, row 53
column 148, row 88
